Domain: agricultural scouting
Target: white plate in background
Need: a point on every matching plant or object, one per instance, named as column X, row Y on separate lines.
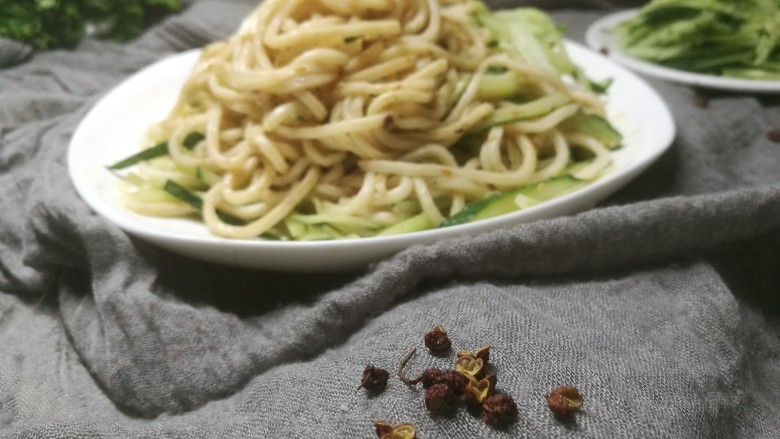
column 600, row 37
column 114, row 127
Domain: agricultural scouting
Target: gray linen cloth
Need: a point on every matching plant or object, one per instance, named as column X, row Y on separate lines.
column 662, row 305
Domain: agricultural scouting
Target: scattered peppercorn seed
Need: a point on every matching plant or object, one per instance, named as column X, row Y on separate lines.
column 701, row 101
column 564, row 401
column 467, row 380
column 437, row 341
column 499, row 408
column 773, row 135
column 374, row 379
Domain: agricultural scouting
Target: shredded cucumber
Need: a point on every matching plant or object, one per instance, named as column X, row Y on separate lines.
column 158, row 150
column 507, row 202
column 416, row 223
column 721, row 37
column 595, row 126
column 193, row 199
column 499, row 86
column 511, row 113
column 207, row 177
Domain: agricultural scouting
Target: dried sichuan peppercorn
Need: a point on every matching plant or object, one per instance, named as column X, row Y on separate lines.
column 482, row 353
column 439, row 398
column 449, row 377
column 498, row 409
column 399, row 431
column 437, row 341
column 476, row 391
column 402, row 431
column 430, row 376
column 382, row 428
column 456, row 381
column 701, row 101
column 374, row 379
column 564, row 401
column 470, row 366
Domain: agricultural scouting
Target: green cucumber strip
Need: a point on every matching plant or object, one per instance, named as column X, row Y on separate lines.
column 576, row 167
column 505, row 202
column 498, row 86
column 206, row 176
column 601, row 87
column 303, row 231
column 296, row 229
column 345, row 223
column 158, row 150
column 541, row 191
column 595, row 126
column 519, row 112
column 415, row 223
column 155, row 151
column 192, row 139
column 151, row 195
column 320, row 232
column 133, row 179
column 467, row 214
column 191, row 198
column 183, row 194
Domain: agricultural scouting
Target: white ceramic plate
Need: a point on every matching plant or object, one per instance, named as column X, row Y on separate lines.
column 599, row 37
column 114, row 127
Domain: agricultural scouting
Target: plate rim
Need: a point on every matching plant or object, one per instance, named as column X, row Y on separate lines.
column 598, row 38
column 384, row 244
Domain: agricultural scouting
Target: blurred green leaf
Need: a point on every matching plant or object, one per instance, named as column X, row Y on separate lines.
column 45, row 24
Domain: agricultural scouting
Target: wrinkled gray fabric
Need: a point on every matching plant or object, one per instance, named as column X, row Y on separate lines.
column 662, row 305
column 13, row 52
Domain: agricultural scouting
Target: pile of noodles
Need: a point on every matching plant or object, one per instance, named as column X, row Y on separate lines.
column 355, row 114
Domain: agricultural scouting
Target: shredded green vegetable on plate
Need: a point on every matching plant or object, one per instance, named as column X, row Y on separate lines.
column 730, row 38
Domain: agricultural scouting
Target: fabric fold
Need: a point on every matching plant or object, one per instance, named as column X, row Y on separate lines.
column 13, row 52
